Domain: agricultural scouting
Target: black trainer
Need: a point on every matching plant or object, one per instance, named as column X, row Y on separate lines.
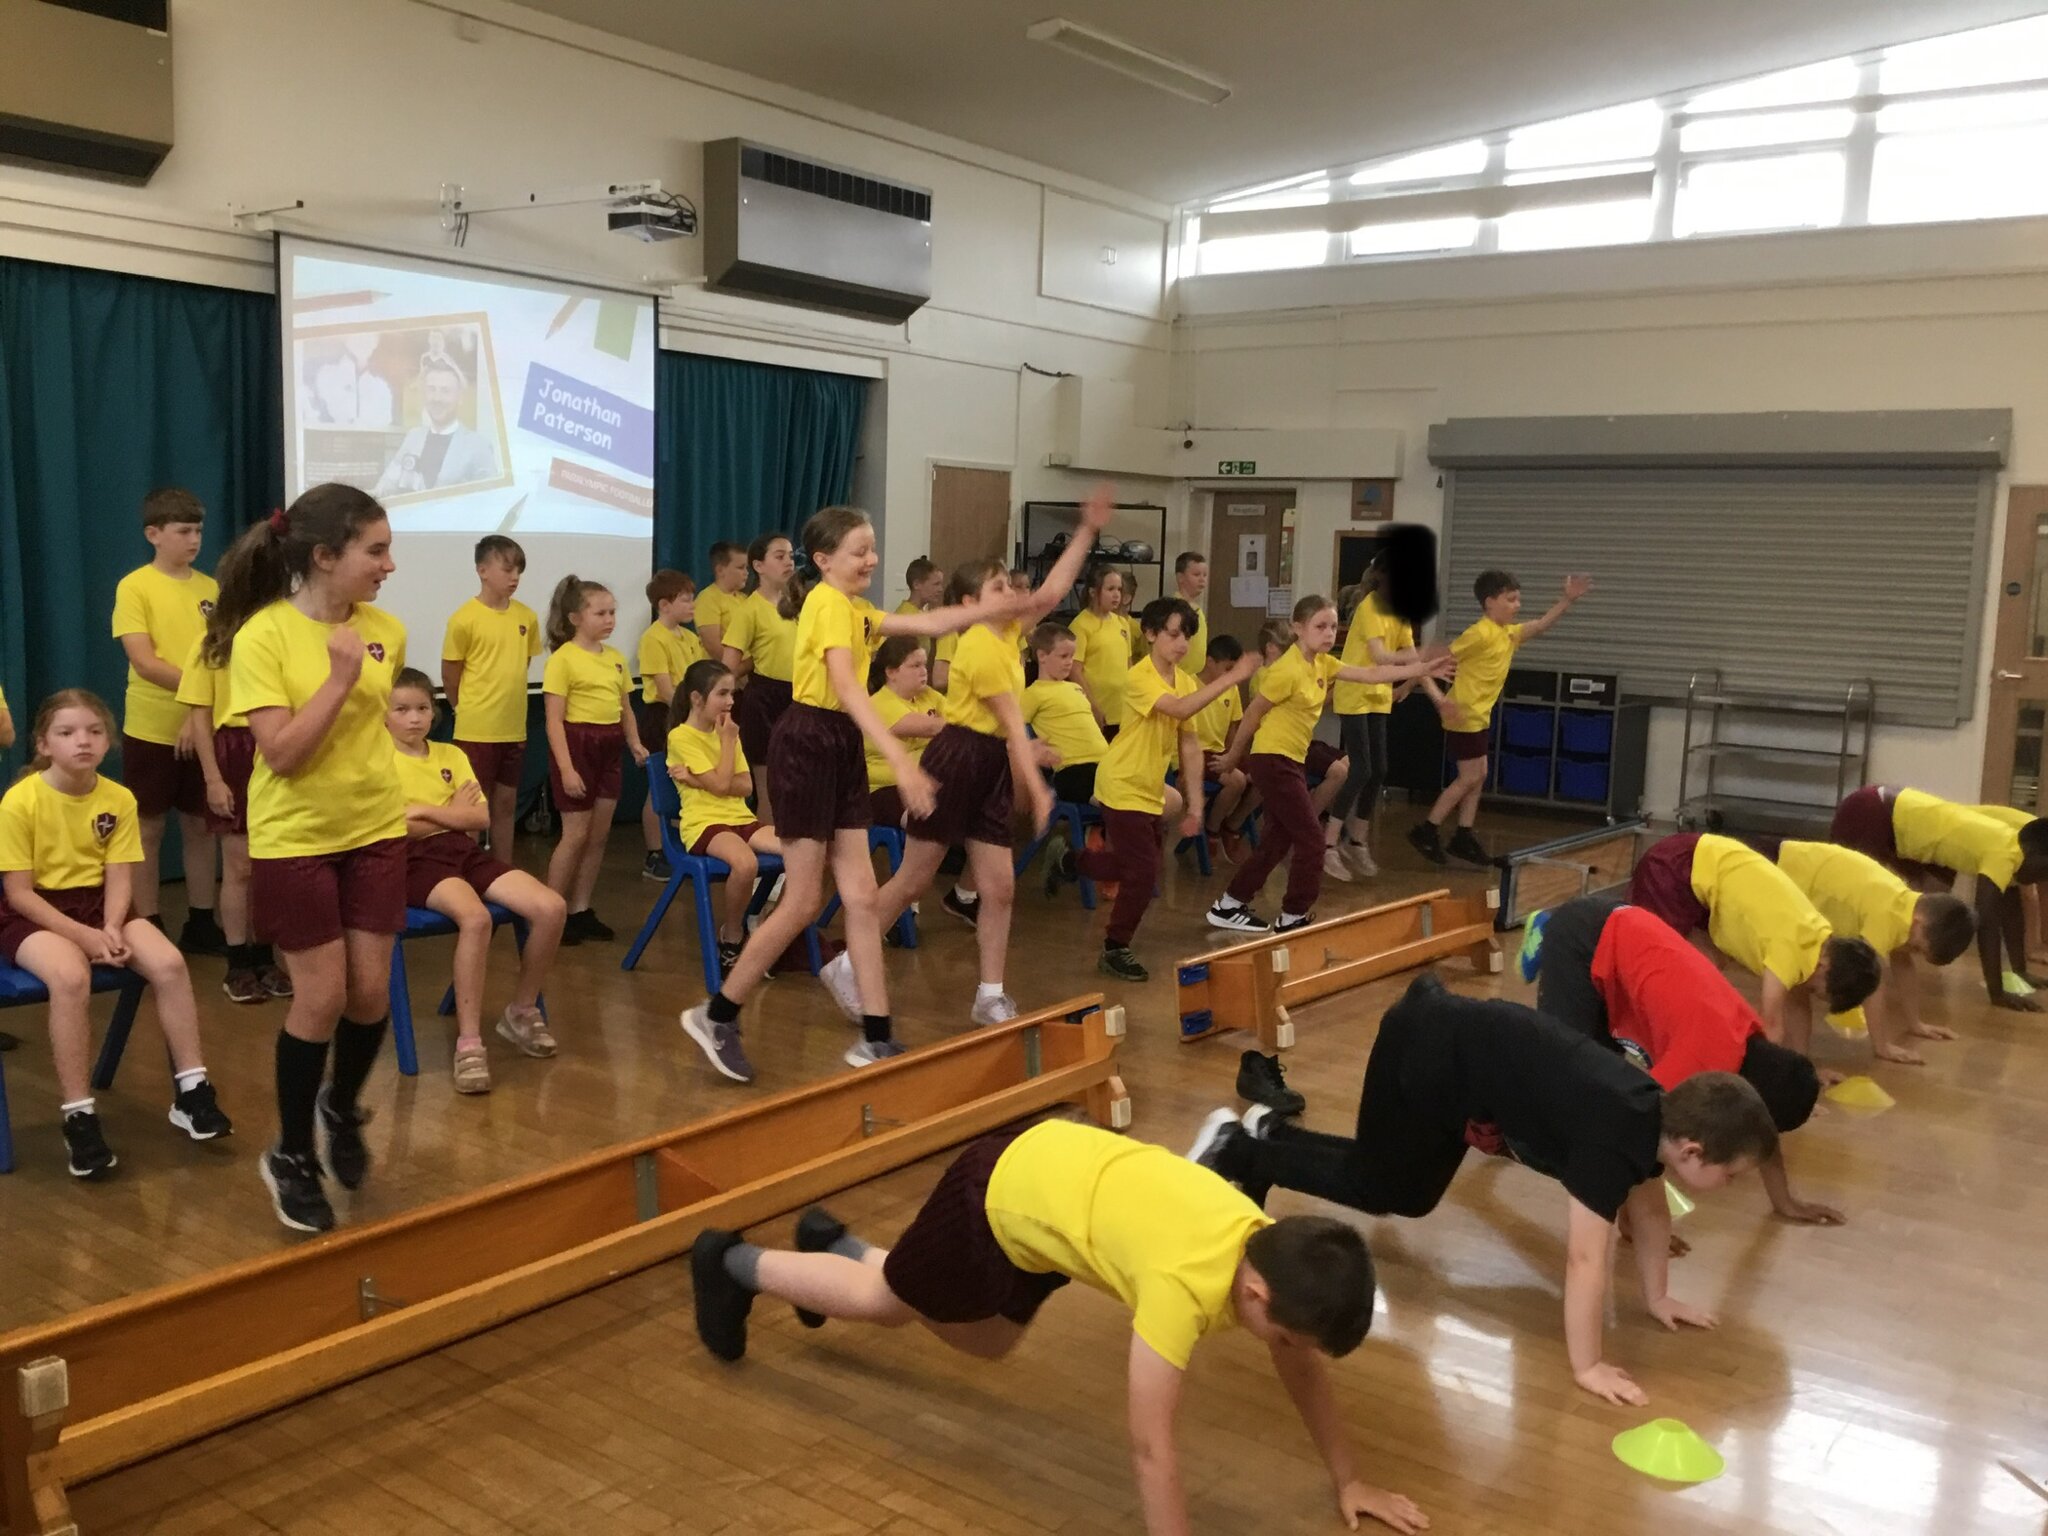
column 1424, row 839
column 198, row 1115
column 295, row 1192
column 347, row 1158
column 728, row 957
column 201, row 935
column 595, row 927
column 1463, row 845
column 655, row 867
column 816, row 1231
column 969, row 912
column 572, row 930
column 1261, row 1080
column 722, row 1302
column 1286, row 924
column 1120, row 961
column 91, row 1157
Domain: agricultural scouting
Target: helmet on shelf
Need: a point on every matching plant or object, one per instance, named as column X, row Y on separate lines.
column 1139, row 551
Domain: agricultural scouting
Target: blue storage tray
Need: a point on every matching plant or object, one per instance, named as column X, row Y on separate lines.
column 1523, row 775
column 1528, row 729
column 1582, row 781
column 1585, row 730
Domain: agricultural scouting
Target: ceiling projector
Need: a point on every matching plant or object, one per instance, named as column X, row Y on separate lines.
column 646, row 219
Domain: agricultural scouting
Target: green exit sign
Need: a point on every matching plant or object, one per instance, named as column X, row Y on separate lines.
column 1237, row 467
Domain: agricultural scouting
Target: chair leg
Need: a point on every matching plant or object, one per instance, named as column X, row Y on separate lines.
column 654, row 917
column 401, row 1013
column 1077, row 839
column 123, row 1021
column 707, row 934
column 6, row 1124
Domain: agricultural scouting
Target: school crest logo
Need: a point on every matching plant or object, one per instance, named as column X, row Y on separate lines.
column 619, row 667
column 447, row 776
column 206, row 607
column 103, row 825
column 522, row 631
column 376, row 650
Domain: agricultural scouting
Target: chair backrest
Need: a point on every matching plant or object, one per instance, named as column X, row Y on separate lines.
column 667, row 801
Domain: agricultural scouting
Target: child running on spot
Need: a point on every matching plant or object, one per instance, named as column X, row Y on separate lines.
column 757, row 646
column 449, row 873
column 667, row 651
column 709, row 765
column 913, row 711
column 1377, row 636
column 1273, row 743
column 586, row 688
column 70, row 842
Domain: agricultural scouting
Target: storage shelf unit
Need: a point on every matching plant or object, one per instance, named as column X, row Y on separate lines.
column 1045, row 521
column 1784, row 785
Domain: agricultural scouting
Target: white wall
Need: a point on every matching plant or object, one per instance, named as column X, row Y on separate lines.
column 364, row 109
column 1937, row 317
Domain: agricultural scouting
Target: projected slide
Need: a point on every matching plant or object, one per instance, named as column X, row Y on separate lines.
column 470, row 402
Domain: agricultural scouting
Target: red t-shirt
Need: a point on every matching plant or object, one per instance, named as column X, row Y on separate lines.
column 1667, row 998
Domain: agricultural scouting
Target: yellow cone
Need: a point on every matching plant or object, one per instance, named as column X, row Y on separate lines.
column 1850, row 1024
column 1666, row 1449
column 1677, row 1200
column 1860, row 1093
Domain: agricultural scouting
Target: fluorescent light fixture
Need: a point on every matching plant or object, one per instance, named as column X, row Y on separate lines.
column 1162, row 74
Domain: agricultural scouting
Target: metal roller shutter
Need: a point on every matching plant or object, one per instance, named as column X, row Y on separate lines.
column 1800, row 579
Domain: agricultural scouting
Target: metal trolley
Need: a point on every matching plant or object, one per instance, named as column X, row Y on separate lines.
column 1827, row 750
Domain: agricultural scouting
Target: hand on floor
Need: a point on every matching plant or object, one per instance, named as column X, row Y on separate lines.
column 1612, row 1383
column 1672, row 1312
column 1900, row 1054
column 1358, row 1498
column 1932, row 1031
column 1810, row 1213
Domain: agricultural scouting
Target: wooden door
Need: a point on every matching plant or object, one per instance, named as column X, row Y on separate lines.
column 970, row 515
column 2018, row 718
column 1234, row 515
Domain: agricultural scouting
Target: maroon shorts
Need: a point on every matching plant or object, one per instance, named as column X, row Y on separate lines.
column 448, row 856
column 1321, row 758
column 1662, row 883
column 763, row 702
column 82, row 904
column 947, row 1265
column 1467, row 746
column 160, row 780
column 234, row 753
column 495, row 762
column 975, row 793
column 1863, row 821
column 302, row 903
column 819, row 773
column 653, row 720
column 597, row 752
column 886, row 806
column 744, row 832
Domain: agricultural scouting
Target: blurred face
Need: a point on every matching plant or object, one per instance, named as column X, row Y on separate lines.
column 410, row 716
column 596, row 619
column 927, row 593
column 909, row 679
column 500, row 578
column 1194, row 581
column 441, row 394
column 777, row 566
column 680, row 609
column 717, row 704
column 1685, row 1161
column 1317, row 634
column 1503, row 606
column 732, row 575
column 176, row 543
column 358, row 572
column 1255, row 1317
column 852, row 564
column 996, row 587
column 75, row 741
column 1170, row 644
column 1057, row 663
column 1109, row 597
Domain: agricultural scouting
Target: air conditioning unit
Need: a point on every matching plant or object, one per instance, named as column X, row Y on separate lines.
column 85, row 86
column 777, row 226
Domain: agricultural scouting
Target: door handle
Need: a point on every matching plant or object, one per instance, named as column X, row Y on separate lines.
column 2009, row 677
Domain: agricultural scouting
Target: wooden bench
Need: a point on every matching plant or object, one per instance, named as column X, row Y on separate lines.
column 1546, row 875
column 119, row 1383
column 1251, row 986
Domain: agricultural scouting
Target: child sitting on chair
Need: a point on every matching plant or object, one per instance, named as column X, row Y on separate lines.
column 70, row 841
column 709, row 765
column 449, row 872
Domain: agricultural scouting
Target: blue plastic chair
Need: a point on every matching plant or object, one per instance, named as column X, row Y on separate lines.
column 425, row 923
column 1076, row 819
column 19, row 989
column 1200, row 841
column 700, row 874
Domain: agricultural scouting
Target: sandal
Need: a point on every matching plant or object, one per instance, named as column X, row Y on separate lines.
column 472, row 1068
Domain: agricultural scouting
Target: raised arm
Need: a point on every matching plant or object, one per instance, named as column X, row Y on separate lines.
column 1441, row 667
column 1575, row 587
column 1185, row 706
column 1059, row 581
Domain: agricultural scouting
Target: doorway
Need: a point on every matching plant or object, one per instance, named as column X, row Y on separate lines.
column 2018, row 717
column 1251, row 538
column 970, row 516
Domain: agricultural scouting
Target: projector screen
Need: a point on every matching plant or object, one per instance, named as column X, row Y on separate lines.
column 471, row 402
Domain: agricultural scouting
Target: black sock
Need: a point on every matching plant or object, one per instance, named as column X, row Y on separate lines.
column 199, row 914
column 355, row 1052
column 241, row 957
column 723, row 1009
column 874, row 1027
column 300, row 1066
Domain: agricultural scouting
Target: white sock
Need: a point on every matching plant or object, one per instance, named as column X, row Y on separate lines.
column 1228, row 902
column 186, row 1080
column 1293, row 917
column 76, row 1107
column 988, row 991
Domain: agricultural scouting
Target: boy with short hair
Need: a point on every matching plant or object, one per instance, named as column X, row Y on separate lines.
column 720, row 601
column 160, row 612
column 1019, row 1214
column 486, row 657
column 1449, row 1073
column 1748, row 910
column 927, row 584
column 1484, row 651
column 1191, row 586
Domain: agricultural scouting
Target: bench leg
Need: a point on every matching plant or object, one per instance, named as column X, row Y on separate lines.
column 401, row 1013
column 109, row 1062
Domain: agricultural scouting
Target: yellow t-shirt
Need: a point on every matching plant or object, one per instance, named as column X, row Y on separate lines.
column 2006, row 815
column 673, row 651
column 1133, row 776
column 699, row 752
column 715, row 608
column 1102, row 650
column 1484, row 652
column 985, row 666
column 1296, row 686
column 892, row 707
column 1755, row 914
column 173, row 613
column 1198, row 643
column 1059, row 714
column 593, row 684
column 1958, row 837
column 943, row 649
column 908, row 607
column 831, row 621
column 1369, row 622
column 345, row 795
column 757, row 629
column 495, row 650
column 1156, row 1231
column 1855, row 895
column 1218, row 718
column 434, row 779
column 204, row 687
column 66, row 841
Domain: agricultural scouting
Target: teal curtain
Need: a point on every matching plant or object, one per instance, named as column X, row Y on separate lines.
column 743, row 449
column 109, row 387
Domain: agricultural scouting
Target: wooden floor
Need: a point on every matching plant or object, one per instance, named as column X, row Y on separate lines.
column 1865, row 1380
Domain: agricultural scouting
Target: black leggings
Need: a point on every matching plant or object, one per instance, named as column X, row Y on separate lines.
column 1365, row 744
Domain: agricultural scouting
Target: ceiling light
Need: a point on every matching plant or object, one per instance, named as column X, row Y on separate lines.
column 1151, row 69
